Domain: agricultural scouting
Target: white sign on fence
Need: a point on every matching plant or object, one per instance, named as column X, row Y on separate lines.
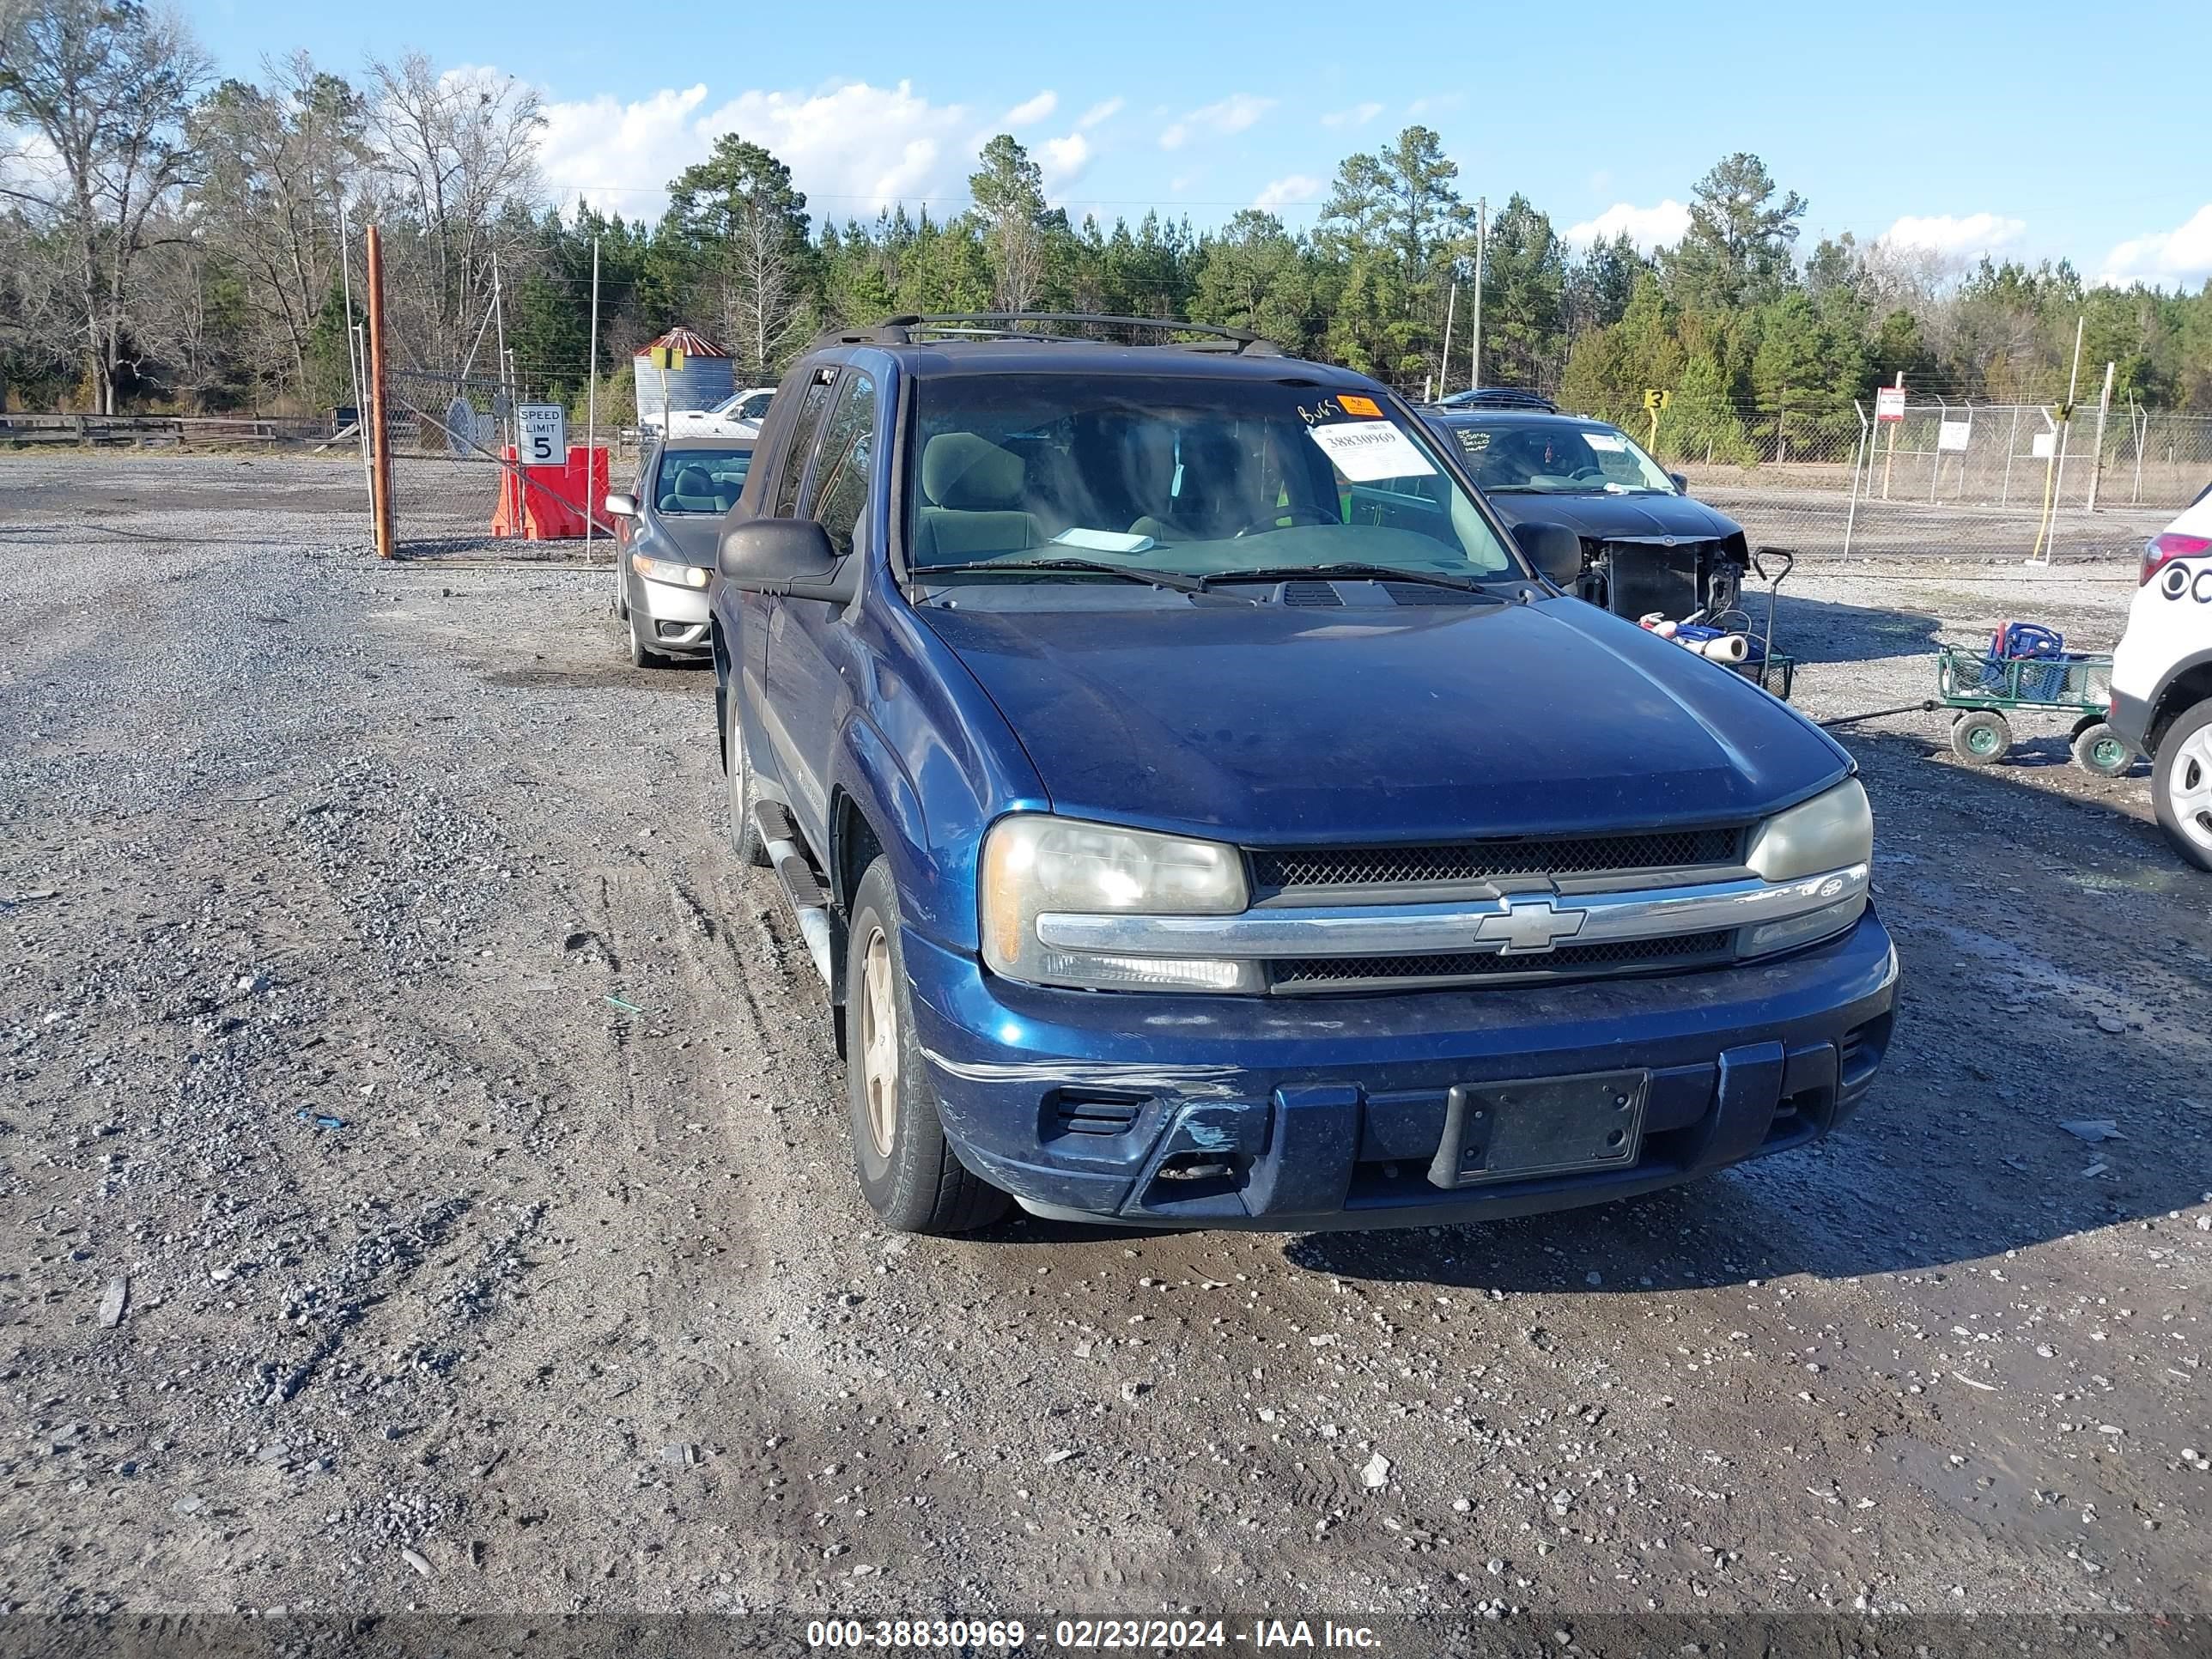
column 2044, row 447
column 544, row 434
column 1953, row 434
column 1889, row 403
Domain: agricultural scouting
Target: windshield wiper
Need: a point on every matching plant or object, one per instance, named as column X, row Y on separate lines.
column 1381, row 573
column 1180, row 584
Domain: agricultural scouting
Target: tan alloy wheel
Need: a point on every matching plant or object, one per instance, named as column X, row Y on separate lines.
column 879, row 1044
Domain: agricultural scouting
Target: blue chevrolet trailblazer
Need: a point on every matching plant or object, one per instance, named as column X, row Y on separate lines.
column 1205, row 813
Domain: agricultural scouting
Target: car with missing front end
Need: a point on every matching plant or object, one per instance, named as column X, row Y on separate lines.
column 668, row 534
column 1204, row 811
column 1647, row 544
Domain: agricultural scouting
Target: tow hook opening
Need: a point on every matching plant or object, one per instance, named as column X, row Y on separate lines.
column 1186, row 1177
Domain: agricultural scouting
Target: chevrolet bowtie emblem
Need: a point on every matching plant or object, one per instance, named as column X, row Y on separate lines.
column 1529, row 927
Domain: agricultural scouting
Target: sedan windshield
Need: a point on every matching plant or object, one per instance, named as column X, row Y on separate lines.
column 1189, row 476
column 1553, row 458
column 701, row 480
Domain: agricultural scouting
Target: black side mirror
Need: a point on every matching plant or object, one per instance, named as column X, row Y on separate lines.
column 1681, row 481
column 1554, row 549
column 785, row 556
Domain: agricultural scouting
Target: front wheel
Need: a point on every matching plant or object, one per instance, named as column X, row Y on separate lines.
column 737, row 778
column 643, row 655
column 2102, row 752
column 2181, row 784
column 908, row 1172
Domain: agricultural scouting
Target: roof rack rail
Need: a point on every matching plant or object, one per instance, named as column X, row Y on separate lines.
column 912, row 328
column 1498, row 397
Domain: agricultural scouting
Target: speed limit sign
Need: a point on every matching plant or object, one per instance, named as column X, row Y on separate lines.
column 544, row 433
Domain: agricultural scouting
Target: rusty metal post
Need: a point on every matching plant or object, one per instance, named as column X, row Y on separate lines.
column 380, row 474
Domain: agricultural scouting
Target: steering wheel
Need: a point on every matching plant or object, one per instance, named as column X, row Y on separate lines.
column 1297, row 515
column 1581, row 472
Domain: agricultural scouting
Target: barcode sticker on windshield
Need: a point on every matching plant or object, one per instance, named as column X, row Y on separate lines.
column 1610, row 443
column 1367, row 451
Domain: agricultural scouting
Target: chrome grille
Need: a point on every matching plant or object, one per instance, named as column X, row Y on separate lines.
column 1307, row 973
column 1277, row 868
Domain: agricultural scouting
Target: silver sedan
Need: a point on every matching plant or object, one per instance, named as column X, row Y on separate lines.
column 666, row 535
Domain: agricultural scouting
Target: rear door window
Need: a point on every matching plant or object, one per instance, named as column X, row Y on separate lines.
column 791, row 468
column 841, row 475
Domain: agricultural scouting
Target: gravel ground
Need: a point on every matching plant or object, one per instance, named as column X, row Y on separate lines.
column 423, row 1163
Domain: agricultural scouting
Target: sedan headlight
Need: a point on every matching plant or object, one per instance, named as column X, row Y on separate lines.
column 674, row 572
column 1831, row 831
column 1034, row 863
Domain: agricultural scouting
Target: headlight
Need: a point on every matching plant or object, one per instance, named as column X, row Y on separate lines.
column 1829, row 832
column 1034, row 863
column 672, row 571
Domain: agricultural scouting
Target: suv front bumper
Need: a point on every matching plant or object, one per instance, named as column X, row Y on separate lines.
column 1326, row 1112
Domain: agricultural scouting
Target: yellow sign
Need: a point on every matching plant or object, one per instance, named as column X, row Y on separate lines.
column 1654, row 398
column 667, row 359
column 1353, row 403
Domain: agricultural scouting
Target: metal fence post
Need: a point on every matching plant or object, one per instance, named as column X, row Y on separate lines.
column 2011, row 443
column 1863, row 450
column 2104, row 408
column 1935, row 468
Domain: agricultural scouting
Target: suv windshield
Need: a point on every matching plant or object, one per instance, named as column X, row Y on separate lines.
column 1553, row 457
column 701, row 480
column 1183, row 475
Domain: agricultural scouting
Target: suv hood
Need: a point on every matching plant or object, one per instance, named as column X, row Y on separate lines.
column 1273, row 723
column 1619, row 518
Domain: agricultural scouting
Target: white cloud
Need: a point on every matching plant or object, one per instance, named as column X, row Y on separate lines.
column 1063, row 160
column 1105, row 110
column 1951, row 235
column 1034, row 110
column 1293, row 190
column 1232, row 114
column 2182, row 256
column 1358, row 116
column 1647, row 226
column 851, row 147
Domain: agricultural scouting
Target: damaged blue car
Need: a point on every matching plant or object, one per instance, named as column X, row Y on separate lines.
column 1204, row 811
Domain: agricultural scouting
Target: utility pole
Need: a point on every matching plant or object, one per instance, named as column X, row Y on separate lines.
column 1443, row 375
column 1474, row 348
column 2065, row 432
column 592, row 411
column 379, row 475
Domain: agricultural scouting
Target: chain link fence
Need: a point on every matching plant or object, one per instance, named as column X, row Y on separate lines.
column 1998, row 483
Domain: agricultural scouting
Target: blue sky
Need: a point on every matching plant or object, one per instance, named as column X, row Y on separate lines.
column 2032, row 129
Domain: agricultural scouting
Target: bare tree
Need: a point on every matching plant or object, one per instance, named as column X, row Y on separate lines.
column 458, row 156
column 277, row 159
column 102, row 85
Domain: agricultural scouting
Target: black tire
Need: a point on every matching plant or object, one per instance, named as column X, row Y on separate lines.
column 738, row 782
column 2179, row 780
column 916, row 1183
column 640, row 655
column 1981, row 737
column 2102, row 752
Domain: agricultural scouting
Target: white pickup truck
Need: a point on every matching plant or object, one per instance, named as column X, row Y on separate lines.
column 2162, row 678
column 736, row 416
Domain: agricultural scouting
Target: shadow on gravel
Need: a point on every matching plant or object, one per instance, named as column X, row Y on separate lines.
column 1823, row 631
column 2011, row 941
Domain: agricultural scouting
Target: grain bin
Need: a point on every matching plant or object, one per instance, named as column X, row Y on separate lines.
column 707, row 376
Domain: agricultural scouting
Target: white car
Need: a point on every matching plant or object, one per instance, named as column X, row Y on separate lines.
column 2162, row 678
column 735, row 416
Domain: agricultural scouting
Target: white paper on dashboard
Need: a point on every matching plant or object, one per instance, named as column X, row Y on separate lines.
column 1366, row 450
column 1105, row 541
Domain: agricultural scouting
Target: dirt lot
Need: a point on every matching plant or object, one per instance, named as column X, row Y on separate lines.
column 364, row 1251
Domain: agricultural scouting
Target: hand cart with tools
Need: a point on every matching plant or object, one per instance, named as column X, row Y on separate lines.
column 1763, row 667
column 1989, row 683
